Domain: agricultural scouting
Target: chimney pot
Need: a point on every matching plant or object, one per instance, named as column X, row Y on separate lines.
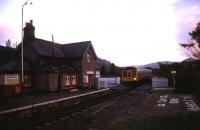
column 29, row 31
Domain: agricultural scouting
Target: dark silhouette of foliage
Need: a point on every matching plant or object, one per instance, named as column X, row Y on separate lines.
column 8, row 43
column 111, row 71
column 195, row 34
column 193, row 46
column 114, row 70
column 187, row 75
column 103, row 71
column 6, row 54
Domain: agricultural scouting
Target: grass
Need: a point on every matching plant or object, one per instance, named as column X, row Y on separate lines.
column 178, row 122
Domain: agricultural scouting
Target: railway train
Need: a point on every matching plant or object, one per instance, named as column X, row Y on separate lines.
column 131, row 75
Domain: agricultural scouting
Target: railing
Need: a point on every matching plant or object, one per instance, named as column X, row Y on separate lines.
column 159, row 82
column 107, row 82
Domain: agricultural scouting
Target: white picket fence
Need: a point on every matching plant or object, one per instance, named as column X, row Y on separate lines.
column 159, row 82
column 107, row 82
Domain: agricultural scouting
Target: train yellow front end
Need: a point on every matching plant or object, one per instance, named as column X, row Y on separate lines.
column 129, row 74
column 132, row 75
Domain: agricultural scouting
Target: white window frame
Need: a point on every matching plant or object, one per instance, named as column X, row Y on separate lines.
column 85, row 79
column 67, row 80
column 73, row 79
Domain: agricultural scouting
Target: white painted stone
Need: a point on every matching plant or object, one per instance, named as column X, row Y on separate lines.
column 174, row 101
column 161, row 105
column 164, row 96
column 161, row 100
column 190, row 104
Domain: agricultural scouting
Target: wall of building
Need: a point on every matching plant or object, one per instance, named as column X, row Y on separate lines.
column 2, row 79
column 54, row 82
column 9, row 85
column 40, row 82
column 89, row 68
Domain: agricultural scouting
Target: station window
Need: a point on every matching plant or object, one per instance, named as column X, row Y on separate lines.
column 88, row 58
column 73, row 79
column 67, row 80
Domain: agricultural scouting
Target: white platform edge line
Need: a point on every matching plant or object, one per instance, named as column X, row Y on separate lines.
column 49, row 102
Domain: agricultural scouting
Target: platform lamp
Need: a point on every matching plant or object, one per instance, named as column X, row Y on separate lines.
column 22, row 44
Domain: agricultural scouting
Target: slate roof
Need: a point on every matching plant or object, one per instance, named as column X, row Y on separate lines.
column 55, row 68
column 50, row 49
column 76, row 50
column 47, row 48
column 67, row 51
column 7, row 53
column 14, row 66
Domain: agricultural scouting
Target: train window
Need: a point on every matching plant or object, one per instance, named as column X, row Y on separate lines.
column 129, row 74
column 134, row 72
column 124, row 74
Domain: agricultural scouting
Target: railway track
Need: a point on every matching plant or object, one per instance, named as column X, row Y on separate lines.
column 83, row 111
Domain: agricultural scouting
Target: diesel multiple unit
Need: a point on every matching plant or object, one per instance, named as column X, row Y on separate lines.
column 133, row 75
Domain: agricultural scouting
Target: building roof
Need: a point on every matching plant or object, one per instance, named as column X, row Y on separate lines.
column 55, row 68
column 14, row 66
column 47, row 48
column 7, row 53
column 76, row 50
column 67, row 51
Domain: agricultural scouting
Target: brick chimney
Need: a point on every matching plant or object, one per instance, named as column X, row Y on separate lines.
column 29, row 31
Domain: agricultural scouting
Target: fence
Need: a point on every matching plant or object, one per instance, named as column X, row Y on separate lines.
column 158, row 82
column 107, row 82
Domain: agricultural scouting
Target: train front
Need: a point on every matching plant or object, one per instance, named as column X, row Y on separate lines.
column 129, row 75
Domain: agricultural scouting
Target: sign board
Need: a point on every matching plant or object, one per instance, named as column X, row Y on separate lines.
column 97, row 74
column 11, row 79
column 90, row 72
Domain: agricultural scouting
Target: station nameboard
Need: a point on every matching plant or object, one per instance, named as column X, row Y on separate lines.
column 11, row 79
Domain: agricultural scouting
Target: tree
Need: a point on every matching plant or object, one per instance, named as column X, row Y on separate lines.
column 195, row 34
column 112, row 69
column 103, row 70
column 8, row 43
column 193, row 46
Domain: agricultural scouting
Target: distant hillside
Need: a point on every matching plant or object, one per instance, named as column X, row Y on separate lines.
column 189, row 60
column 155, row 65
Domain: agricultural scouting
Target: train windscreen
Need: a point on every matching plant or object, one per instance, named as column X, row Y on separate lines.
column 124, row 74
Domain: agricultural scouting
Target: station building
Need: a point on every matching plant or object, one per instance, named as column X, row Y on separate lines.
column 49, row 66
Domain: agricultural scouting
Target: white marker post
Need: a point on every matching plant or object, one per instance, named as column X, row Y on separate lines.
column 173, row 72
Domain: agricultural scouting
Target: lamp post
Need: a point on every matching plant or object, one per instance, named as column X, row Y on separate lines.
column 22, row 45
